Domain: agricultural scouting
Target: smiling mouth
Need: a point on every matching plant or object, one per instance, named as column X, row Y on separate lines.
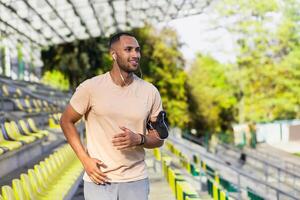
column 134, row 62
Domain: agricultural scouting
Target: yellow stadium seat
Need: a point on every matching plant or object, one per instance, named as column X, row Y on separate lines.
column 18, row 190
column 34, row 182
column 50, row 179
column 8, row 193
column 28, row 189
column 12, row 133
column 32, row 125
column 28, row 105
column 18, row 104
column 11, row 145
column 22, row 127
column 5, row 90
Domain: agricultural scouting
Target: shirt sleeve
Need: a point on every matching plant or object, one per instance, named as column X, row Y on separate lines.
column 156, row 105
column 80, row 101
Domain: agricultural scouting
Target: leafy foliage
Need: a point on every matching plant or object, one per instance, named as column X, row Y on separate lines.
column 56, row 79
column 213, row 93
column 264, row 84
column 162, row 64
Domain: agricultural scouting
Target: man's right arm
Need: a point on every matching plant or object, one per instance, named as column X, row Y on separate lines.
column 91, row 165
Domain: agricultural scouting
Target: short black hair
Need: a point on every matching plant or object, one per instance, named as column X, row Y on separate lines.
column 116, row 37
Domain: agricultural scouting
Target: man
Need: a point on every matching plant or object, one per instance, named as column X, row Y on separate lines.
column 116, row 107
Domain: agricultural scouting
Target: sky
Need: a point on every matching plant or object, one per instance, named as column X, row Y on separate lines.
column 199, row 34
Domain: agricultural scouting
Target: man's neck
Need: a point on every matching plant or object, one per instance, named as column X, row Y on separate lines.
column 121, row 77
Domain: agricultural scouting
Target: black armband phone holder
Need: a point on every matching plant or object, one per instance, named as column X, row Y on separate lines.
column 160, row 125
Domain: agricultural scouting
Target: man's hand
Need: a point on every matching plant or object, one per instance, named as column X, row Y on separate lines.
column 92, row 168
column 126, row 139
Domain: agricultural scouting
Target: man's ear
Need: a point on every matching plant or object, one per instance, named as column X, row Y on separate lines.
column 113, row 55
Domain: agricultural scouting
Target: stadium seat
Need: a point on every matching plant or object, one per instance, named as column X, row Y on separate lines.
column 37, row 108
column 19, row 192
column 29, row 107
column 16, row 135
column 18, row 104
column 34, row 182
column 8, row 193
column 54, row 121
column 10, row 145
column 33, row 127
column 24, row 131
column 50, row 179
column 27, row 186
column 46, row 105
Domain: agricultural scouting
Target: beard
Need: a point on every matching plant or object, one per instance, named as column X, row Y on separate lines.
column 126, row 66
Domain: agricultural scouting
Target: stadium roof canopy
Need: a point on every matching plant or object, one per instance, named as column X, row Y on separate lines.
column 48, row 22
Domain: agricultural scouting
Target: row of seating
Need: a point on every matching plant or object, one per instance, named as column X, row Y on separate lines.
column 15, row 134
column 29, row 102
column 34, row 105
column 17, row 89
column 11, row 91
column 218, row 187
column 215, row 188
column 181, row 188
column 52, row 178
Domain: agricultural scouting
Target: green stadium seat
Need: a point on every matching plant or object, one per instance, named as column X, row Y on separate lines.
column 8, row 193
column 252, row 195
column 228, row 186
column 15, row 135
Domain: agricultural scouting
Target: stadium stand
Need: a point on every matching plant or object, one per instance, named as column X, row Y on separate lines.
column 35, row 162
column 51, row 178
column 180, row 186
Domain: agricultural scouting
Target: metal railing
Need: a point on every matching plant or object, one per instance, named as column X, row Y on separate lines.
column 243, row 179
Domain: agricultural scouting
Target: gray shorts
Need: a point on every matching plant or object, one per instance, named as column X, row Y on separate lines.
column 135, row 190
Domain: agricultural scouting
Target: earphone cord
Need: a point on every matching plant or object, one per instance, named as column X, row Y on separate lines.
column 122, row 76
column 124, row 79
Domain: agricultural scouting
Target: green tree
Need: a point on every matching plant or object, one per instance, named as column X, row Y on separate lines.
column 162, row 64
column 213, row 93
column 267, row 69
column 78, row 60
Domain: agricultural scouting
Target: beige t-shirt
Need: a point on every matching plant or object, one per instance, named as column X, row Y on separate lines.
column 107, row 106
